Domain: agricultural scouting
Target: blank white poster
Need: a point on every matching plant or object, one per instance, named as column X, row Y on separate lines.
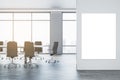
column 98, row 36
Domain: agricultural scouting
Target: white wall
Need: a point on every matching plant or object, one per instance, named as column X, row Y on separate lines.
column 98, row 6
column 52, row 4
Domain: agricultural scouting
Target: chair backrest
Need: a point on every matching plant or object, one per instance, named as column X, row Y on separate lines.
column 1, row 44
column 38, row 43
column 38, row 49
column 29, row 49
column 55, row 46
column 12, row 49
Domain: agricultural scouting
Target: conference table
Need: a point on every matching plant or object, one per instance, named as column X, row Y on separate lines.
column 5, row 46
column 21, row 48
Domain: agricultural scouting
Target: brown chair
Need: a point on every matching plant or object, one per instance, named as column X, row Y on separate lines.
column 1, row 44
column 12, row 52
column 29, row 52
column 1, row 49
column 38, row 49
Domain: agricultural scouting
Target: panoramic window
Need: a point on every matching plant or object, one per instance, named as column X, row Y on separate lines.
column 98, row 36
column 22, row 27
column 69, row 32
column 41, row 29
column 6, row 27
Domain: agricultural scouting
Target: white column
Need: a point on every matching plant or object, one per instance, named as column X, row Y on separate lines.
column 56, row 29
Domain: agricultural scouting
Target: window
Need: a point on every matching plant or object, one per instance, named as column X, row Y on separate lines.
column 22, row 27
column 6, row 27
column 98, row 36
column 22, row 16
column 41, row 29
column 41, row 16
column 22, row 31
column 6, row 16
column 69, row 32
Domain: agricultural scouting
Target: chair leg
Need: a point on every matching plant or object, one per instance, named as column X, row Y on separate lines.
column 30, row 64
column 25, row 61
column 11, row 65
column 52, row 60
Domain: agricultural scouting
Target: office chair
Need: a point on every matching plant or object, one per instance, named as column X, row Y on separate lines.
column 1, row 44
column 1, row 49
column 38, row 49
column 12, row 53
column 53, row 52
column 29, row 53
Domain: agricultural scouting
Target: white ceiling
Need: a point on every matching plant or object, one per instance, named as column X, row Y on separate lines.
column 45, row 4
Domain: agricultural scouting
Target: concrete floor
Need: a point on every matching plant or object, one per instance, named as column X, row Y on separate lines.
column 65, row 69
column 100, row 75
